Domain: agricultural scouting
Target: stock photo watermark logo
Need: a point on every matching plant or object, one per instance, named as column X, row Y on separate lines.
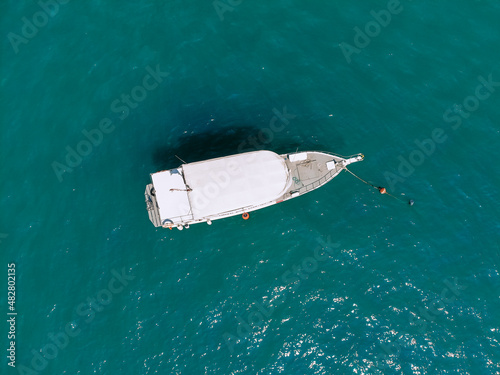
column 219, row 182
column 222, row 7
column 449, row 294
column 266, row 135
column 454, row 116
column 259, row 314
column 31, row 26
column 94, row 137
column 87, row 311
column 372, row 29
column 471, row 103
column 222, row 179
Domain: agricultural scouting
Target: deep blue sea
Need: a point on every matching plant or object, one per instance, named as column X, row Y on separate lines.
column 96, row 95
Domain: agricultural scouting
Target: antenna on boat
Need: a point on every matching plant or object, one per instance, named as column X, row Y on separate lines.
column 381, row 189
column 180, row 159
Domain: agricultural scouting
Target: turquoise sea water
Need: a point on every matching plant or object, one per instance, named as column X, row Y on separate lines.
column 340, row 281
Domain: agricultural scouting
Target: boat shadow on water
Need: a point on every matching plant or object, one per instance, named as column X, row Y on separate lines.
column 224, row 142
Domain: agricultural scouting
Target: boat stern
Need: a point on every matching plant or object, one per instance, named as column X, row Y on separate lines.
column 152, row 205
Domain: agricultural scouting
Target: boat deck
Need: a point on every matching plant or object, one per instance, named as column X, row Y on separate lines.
column 311, row 173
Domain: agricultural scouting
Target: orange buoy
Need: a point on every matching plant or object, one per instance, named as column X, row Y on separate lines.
column 245, row 216
column 382, row 190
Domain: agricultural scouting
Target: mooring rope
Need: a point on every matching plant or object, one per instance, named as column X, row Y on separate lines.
column 381, row 189
column 359, row 178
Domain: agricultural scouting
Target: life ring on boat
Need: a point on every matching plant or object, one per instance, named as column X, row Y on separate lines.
column 167, row 223
column 245, row 216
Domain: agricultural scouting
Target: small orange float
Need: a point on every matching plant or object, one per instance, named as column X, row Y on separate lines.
column 245, row 216
column 382, row 190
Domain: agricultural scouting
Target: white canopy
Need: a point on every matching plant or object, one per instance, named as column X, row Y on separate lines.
column 235, row 182
column 171, row 195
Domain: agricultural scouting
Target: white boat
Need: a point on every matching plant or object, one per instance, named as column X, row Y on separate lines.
column 236, row 185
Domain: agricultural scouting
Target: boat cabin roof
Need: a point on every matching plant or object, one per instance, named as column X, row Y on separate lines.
column 204, row 189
